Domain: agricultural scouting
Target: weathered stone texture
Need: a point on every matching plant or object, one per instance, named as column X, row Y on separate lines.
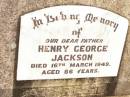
column 10, row 12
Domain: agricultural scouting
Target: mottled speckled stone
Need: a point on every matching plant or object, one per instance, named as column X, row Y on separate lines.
column 10, row 12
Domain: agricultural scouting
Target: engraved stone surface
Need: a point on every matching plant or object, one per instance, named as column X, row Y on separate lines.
column 10, row 12
column 62, row 42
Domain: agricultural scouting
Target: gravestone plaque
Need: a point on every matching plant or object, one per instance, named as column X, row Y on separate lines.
column 70, row 41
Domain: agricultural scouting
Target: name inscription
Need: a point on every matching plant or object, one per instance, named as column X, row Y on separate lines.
column 70, row 41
